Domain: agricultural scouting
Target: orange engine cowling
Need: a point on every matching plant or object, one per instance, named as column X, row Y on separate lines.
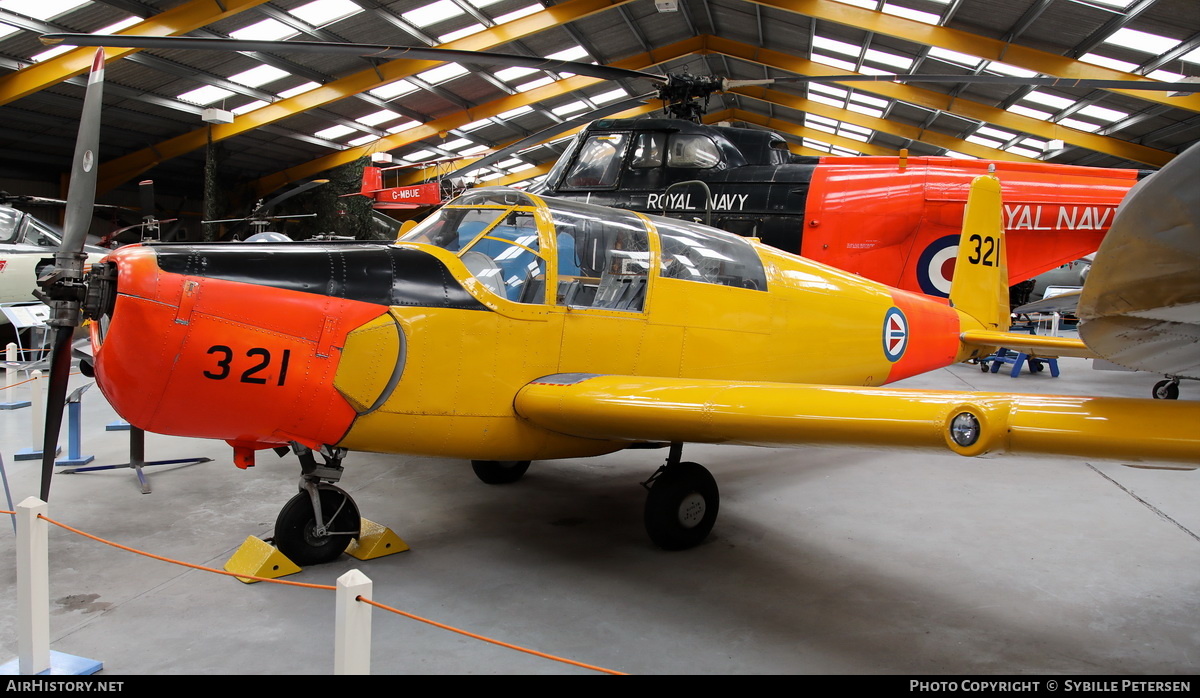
column 241, row 342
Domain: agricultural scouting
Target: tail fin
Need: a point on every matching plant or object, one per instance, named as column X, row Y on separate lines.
column 980, row 284
column 372, row 181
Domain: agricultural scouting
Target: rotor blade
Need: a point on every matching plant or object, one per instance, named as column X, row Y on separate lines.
column 554, row 130
column 384, row 51
column 81, row 196
column 56, row 396
column 290, row 193
column 984, row 79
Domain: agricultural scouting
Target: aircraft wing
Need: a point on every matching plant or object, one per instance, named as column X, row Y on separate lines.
column 1032, row 344
column 1063, row 303
column 1140, row 306
column 654, row 409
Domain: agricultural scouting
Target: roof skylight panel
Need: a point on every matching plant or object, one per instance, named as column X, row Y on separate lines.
column 1141, row 41
column 1049, row 100
column 418, row 155
column 1027, row 152
column 995, row 133
column 1031, row 113
column 205, row 95
column 980, row 140
column 335, row 131
column 441, row 74
column 832, row 62
column 376, row 118
column 514, row 113
column 457, row 144
column 473, row 150
column 1080, row 125
column 534, row 84
column 575, row 53
column 480, row 4
column 1102, row 113
column 363, row 140
column 570, row 108
column 432, row 13
column 510, row 74
column 460, row 33
column 249, row 107
column 299, row 89
column 836, row 46
column 869, row 111
column 403, row 126
column 322, row 13
column 1106, row 62
column 393, row 89
column 611, row 95
column 955, row 58
column 915, row 15
column 266, row 30
column 260, row 75
column 517, row 14
column 889, row 59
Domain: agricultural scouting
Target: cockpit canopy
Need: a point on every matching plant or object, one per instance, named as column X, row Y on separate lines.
column 516, row 243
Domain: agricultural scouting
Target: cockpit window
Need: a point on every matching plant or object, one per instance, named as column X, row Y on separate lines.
column 8, row 224
column 698, row 253
column 599, row 162
column 507, row 258
column 603, row 257
column 648, row 150
column 693, row 152
column 496, row 240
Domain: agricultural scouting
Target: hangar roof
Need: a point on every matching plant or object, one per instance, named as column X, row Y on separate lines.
column 298, row 114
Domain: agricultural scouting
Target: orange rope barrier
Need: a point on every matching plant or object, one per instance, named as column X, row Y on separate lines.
column 28, row 380
column 397, row 611
column 473, row 636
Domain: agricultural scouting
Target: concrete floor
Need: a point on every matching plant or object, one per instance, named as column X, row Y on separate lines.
column 823, row 561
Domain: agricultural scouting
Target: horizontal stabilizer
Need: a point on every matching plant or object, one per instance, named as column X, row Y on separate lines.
column 1032, row 344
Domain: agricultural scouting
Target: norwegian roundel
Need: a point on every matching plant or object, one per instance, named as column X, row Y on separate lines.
column 895, row 334
column 935, row 267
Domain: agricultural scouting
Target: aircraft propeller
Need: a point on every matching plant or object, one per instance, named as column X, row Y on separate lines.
column 62, row 286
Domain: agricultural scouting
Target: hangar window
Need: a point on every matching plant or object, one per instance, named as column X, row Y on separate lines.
column 698, row 253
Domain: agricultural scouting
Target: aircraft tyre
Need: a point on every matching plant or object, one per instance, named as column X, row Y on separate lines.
column 681, row 506
column 1166, row 390
column 499, row 472
column 295, row 534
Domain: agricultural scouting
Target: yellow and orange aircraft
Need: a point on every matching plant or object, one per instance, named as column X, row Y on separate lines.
column 509, row 328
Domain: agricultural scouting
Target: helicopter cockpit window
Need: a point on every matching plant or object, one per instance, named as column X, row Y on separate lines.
column 603, row 257
column 9, row 218
column 693, row 152
column 599, row 162
column 648, row 150
column 698, row 253
column 38, row 233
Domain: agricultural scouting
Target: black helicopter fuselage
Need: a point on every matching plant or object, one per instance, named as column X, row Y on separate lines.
column 891, row 219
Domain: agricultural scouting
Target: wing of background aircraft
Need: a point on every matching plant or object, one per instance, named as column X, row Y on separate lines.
column 1140, row 305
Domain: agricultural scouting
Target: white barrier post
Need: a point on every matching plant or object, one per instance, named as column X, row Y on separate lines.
column 11, row 374
column 33, row 588
column 37, row 418
column 352, row 636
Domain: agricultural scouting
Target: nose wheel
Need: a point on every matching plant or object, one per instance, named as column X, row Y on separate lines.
column 312, row 529
column 681, row 505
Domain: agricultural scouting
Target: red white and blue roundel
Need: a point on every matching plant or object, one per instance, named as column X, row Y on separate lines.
column 895, row 334
column 935, row 267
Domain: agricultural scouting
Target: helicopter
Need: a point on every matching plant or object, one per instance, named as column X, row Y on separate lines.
column 889, row 219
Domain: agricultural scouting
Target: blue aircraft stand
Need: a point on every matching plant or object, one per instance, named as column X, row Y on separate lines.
column 74, row 428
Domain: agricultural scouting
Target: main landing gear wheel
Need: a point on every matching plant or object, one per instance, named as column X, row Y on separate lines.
column 1167, row 389
column 499, row 472
column 299, row 538
column 681, row 507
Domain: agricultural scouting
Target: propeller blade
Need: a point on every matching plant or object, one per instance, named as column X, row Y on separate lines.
column 81, row 196
column 384, row 51
column 56, row 398
column 146, row 197
column 554, row 130
column 1088, row 83
column 62, row 287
